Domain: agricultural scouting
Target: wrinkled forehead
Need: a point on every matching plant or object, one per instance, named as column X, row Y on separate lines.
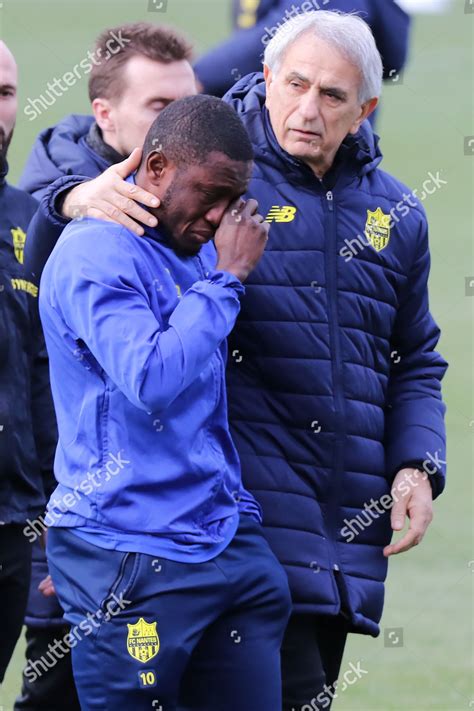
column 317, row 60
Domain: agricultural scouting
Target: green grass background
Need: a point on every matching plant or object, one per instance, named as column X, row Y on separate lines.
column 423, row 123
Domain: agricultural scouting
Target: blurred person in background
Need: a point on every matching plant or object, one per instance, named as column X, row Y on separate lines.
column 27, row 422
column 127, row 92
column 257, row 21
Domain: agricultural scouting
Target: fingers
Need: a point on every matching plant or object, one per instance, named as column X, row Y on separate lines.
column 107, row 211
column 250, row 207
column 246, row 208
column 421, row 516
column 411, row 538
column 126, row 198
column 130, row 164
column 398, row 513
column 46, row 587
column 137, row 194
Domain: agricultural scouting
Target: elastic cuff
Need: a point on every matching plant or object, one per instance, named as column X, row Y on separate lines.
column 435, row 478
column 57, row 196
column 222, row 278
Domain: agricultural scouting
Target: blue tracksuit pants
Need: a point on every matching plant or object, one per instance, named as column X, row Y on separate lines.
column 155, row 634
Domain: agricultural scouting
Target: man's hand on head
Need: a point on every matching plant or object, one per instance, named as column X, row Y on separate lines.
column 241, row 238
column 413, row 498
column 109, row 197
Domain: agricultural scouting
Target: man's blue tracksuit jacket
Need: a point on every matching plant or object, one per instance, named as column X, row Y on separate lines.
column 145, row 462
column 333, row 378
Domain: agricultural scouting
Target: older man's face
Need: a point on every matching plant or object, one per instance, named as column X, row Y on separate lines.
column 313, row 101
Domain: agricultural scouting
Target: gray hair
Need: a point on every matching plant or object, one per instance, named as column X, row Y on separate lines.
column 348, row 33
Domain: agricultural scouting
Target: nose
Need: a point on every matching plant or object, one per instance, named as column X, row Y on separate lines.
column 309, row 106
column 215, row 214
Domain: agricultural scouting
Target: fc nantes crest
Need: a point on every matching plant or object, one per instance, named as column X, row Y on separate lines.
column 19, row 239
column 143, row 642
column 377, row 229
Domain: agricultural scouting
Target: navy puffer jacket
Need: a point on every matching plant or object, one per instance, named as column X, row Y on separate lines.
column 333, row 380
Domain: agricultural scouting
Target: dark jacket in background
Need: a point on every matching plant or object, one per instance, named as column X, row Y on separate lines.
column 242, row 53
column 73, row 146
column 27, row 423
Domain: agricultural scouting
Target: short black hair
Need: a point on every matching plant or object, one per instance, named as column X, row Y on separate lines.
column 187, row 130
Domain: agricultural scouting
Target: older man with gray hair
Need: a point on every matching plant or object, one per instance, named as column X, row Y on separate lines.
column 333, row 382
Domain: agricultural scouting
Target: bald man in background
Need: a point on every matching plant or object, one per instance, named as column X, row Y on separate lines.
column 27, row 422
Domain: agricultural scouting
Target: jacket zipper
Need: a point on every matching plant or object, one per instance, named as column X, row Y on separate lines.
column 217, row 369
column 331, row 267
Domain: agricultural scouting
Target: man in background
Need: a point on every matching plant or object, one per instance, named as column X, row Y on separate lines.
column 127, row 92
column 27, row 423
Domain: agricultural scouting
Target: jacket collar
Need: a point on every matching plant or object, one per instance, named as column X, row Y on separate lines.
column 96, row 142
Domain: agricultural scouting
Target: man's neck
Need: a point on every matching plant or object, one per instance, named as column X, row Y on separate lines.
column 321, row 165
column 102, row 147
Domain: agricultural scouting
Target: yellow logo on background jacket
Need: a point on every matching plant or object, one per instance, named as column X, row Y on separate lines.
column 19, row 239
column 247, row 16
column 285, row 213
column 143, row 642
column 377, row 229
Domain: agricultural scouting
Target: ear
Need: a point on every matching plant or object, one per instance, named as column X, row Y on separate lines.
column 102, row 109
column 157, row 166
column 268, row 76
column 365, row 111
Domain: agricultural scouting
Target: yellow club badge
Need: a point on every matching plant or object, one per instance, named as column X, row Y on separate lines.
column 377, row 229
column 143, row 642
column 19, row 239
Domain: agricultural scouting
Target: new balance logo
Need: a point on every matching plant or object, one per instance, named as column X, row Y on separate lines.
column 285, row 213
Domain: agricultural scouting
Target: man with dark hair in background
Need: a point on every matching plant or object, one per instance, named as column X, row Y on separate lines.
column 127, row 91
column 136, row 332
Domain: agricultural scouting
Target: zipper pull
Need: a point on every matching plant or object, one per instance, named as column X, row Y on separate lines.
column 330, row 199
